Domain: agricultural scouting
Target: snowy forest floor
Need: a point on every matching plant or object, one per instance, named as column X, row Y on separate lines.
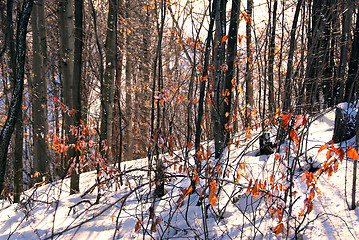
column 130, row 211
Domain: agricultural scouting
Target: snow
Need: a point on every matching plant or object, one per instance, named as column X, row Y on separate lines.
column 50, row 210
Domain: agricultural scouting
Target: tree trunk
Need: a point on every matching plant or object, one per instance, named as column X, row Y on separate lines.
column 344, row 49
column 76, row 94
column 249, row 65
column 218, row 76
column 204, row 79
column 271, row 102
column 117, row 121
column 155, row 132
column 353, row 78
column 129, row 92
column 228, row 84
column 145, row 70
column 355, row 166
column 39, row 92
column 66, row 32
column 353, row 81
column 109, row 80
column 18, row 79
column 18, row 166
column 287, row 83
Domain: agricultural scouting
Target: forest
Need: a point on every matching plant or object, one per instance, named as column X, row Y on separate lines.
column 188, row 119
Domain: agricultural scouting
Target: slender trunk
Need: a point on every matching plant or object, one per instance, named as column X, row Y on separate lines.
column 109, row 77
column 118, row 110
column 155, row 132
column 353, row 78
column 353, row 81
column 279, row 94
column 39, row 92
column 344, row 49
column 66, row 28
column 228, row 84
column 287, row 83
column 199, row 123
column 218, row 77
column 18, row 166
column 249, row 65
column 355, row 167
column 271, row 102
column 76, row 94
column 129, row 92
column 145, row 70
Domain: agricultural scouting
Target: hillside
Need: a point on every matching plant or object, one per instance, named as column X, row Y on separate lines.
column 130, row 212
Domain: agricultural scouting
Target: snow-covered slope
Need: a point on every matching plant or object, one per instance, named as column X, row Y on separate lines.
column 131, row 212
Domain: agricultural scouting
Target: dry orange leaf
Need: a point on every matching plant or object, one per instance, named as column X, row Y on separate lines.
column 224, row 38
column 189, row 191
column 323, row 147
column 352, row 153
column 278, row 229
column 137, row 226
column 341, row 154
column 212, row 193
column 240, row 37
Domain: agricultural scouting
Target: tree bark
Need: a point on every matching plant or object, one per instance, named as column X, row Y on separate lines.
column 228, row 84
column 109, row 80
column 76, row 94
column 18, row 165
column 287, row 83
column 128, row 81
column 18, row 79
column 204, row 80
column 353, row 78
column 355, row 166
column 249, row 65
column 353, row 81
column 66, row 32
column 271, row 102
column 41, row 160
column 218, row 76
column 344, row 48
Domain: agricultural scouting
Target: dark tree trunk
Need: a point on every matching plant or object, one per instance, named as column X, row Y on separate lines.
column 271, row 102
column 249, row 65
column 218, row 76
column 353, row 80
column 66, row 40
column 344, row 49
column 128, row 81
column 228, row 84
column 203, row 88
column 353, row 77
column 292, row 45
column 76, row 94
column 327, row 40
column 155, row 132
column 344, row 126
column 39, row 92
column 108, row 78
column 18, row 166
column 16, row 100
